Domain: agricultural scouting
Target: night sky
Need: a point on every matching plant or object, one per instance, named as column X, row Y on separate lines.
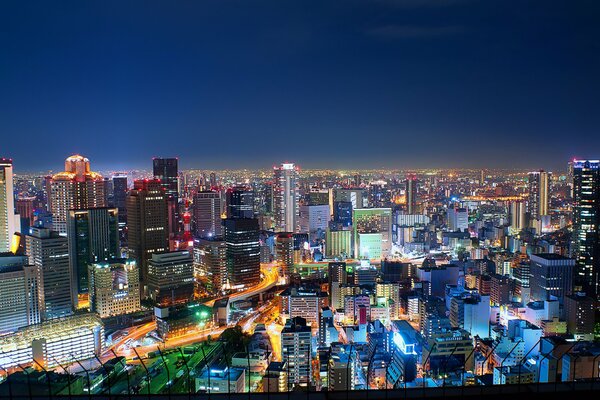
column 380, row 83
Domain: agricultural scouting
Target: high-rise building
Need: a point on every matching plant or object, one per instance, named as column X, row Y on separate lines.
column 372, row 232
column 586, row 223
column 93, row 237
column 411, row 195
column 296, row 349
column 338, row 242
column 580, row 315
column 240, row 202
column 517, row 216
column 342, row 213
column 538, row 194
column 19, row 293
column 166, row 171
column 114, row 288
column 210, row 260
column 284, row 252
column 207, row 214
column 147, row 223
column 76, row 188
column 7, row 205
column 551, row 275
column 314, row 220
column 458, row 219
column 120, row 188
column 171, row 278
column 242, row 243
column 49, row 252
column 285, row 197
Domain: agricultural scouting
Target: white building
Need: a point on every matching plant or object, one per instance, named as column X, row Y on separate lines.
column 7, row 205
column 285, row 197
column 314, row 219
column 114, row 288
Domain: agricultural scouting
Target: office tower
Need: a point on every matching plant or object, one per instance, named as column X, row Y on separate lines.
column 318, row 197
column 336, row 272
column 471, row 313
column 586, row 222
column 499, row 290
column 538, row 193
column 147, row 223
column 314, row 220
column 379, row 194
column 338, row 241
column 25, row 207
column 240, row 202
column 411, row 195
column 357, row 197
column 372, row 232
column 284, row 252
column 166, row 171
column 242, row 251
column 210, row 260
column 285, row 197
column 120, row 188
column 522, row 277
column 19, row 293
column 7, row 205
column 114, row 288
column 207, row 214
column 297, row 352
column 213, row 180
column 342, row 213
column 517, row 216
column 49, row 252
column 76, row 188
column 93, row 237
column 458, row 219
column 171, row 278
column 301, row 302
column 551, row 275
column 580, row 315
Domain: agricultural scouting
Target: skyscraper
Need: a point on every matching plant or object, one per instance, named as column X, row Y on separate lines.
column 242, row 251
column 120, row 195
column 19, row 293
column 284, row 252
column 93, row 237
column 76, row 188
column 171, row 278
column 148, row 222
column 285, row 197
column 7, row 205
column 296, row 351
column 411, row 195
column 240, row 202
column 207, row 214
column 586, row 222
column 372, row 232
column 49, row 252
column 551, row 275
column 167, row 172
column 538, row 193
column 517, row 216
column 114, row 287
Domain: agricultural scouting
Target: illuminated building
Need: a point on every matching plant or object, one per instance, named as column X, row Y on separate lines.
column 172, row 322
column 372, row 232
column 314, row 220
column 471, row 313
column 166, row 171
column 500, row 288
column 404, row 346
column 62, row 340
column 296, row 349
column 537, row 204
column 357, row 197
column 222, row 380
column 275, row 377
column 338, row 242
column 449, row 350
column 25, row 208
column 49, row 252
column 379, row 194
column 114, row 288
column 147, row 223
column 77, row 188
column 586, row 223
column 93, row 237
column 19, row 293
column 242, row 251
column 284, row 252
column 7, row 205
column 551, row 275
column 240, row 202
column 171, row 278
column 411, row 195
column 207, row 214
column 344, row 364
column 285, row 197
column 458, row 219
column 210, row 260
column 342, row 213
column 580, row 315
column 517, row 216
column 299, row 302
column 120, row 187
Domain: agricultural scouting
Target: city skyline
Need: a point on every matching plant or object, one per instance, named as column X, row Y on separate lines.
column 375, row 84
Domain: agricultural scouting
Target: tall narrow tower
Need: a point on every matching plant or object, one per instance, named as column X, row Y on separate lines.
column 7, row 205
column 285, row 197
